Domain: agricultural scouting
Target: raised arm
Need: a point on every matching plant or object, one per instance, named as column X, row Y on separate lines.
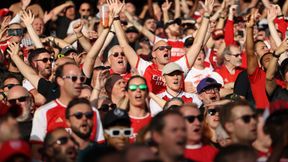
column 194, row 50
column 28, row 18
column 251, row 57
column 139, row 27
column 165, row 8
column 194, row 8
column 128, row 50
column 84, row 42
column 271, row 70
column 177, row 9
column 272, row 14
column 55, row 11
column 25, row 70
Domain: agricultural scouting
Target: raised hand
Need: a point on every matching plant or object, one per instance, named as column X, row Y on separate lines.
column 115, row 6
column 47, row 16
column 252, row 18
column 77, row 27
column 25, row 3
column 5, row 22
column 102, row 77
column 209, row 4
column 166, row 5
column 27, row 17
column 13, row 49
column 278, row 9
column 4, row 37
column 282, row 48
column 272, row 14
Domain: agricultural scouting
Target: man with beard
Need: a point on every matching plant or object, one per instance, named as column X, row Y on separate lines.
column 240, row 121
column 195, row 150
column 59, row 146
column 161, row 52
column 173, row 78
column 79, row 118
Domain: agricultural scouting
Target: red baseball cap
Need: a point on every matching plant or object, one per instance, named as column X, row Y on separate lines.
column 13, row 147
column 4, row 12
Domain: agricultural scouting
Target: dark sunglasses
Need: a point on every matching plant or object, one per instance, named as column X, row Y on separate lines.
column 9, row 86
column 79, row 115
column 61, row 141
column 236, row 55
column 106, row 107
column 133, row 87
column 212, row 112
column 74, row 78
column 20, row 99
column 116, row 54
column 161, row 48
column 247, row 118
column 191, row 118
column 45, row 60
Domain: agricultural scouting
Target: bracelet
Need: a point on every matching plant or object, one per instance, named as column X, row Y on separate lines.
column 276, row 56
column 112, row 32
column 206, row 16
column 117, row 18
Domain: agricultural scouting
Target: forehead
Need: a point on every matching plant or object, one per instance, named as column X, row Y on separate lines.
column 11, row 80
column 15, row 26
column 116, row 49
column 260, row 44
column 188, row 110
column 84, row 5
column 160, row 43
column 149, row 21
column 59, row 133
column 17, row 91
column 238, row 111
column 38, row 20
column 136, row 81
column 80, row 107
column 234, row 49
column 44, row 54
column 172, row 121
column 71, row 69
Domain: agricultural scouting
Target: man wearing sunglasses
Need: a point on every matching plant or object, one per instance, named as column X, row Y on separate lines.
column 161, row 53
column 118, row 62
column 59, row 146
column 117, row 128
column 69, row 78
column 195, row 150
column 172, row 75
column 240, row 121
column 18, row 95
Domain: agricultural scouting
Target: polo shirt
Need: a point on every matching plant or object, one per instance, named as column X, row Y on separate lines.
column 186, row 97
column 153, row 74
column 227, row 77
column 52, row 115
column 200, row 153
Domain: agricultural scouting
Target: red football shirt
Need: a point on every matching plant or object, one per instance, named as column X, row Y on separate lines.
column 200, row 153
column 227, row 77
column 137, row 123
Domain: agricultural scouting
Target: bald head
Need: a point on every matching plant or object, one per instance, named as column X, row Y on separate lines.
column 16, row 92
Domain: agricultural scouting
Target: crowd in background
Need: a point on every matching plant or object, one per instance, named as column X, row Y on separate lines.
column 172, row 81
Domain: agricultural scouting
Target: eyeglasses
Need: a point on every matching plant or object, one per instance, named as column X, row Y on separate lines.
column 85, row 10
column 20, row 99
column 211, row 90
column 247, row 118
column 161, row 48
column 45, row 60
column 236, row 55
column 74, row 78
column 117, row 132
column 212, row 112
column 133, row 87
column 105, row 107
column 79, row 115
column 191, row 118
column 116, row 54
column 9, row 86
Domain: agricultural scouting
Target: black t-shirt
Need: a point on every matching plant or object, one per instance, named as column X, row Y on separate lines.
column 49, row 90
column 25, row 129
column 62, row 26
column 242, row 87
column 279, row 94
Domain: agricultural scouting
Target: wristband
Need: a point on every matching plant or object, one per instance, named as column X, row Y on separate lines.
column 276, row 56
column 78, row 37
column 206, row 16
column 112, row 32
column 117, row 18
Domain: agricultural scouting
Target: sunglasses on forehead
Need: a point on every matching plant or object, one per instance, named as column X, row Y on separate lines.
column 74, row 78
column 191, row 118
column 45, row 60
column 161, row 48
column 133, row 87
column 80, row 115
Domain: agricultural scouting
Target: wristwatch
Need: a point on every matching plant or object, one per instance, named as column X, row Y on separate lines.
column 276, row 56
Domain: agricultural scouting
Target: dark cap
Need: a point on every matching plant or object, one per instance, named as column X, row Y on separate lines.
column 207, row 82
column 217, row 34
column 116, row 117
column 131, row 29
column 175, row 21
column 110, row 83
column 66, row 50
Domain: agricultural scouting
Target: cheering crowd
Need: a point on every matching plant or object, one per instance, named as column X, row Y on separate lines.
column 173, row 81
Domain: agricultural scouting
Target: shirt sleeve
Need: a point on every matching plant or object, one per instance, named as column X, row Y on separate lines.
column 39, row 125
column 99, row 135
column 26, row 84
column 142, row 65
column 154, row 108
column 183, row 63
column 229, row 33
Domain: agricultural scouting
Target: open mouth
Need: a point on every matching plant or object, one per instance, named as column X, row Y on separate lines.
column 71, row 152
column 166, row 55
column 214, row 98
column 196, row 130
column 138, row 97
column 120, row 62
column 181, row 143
